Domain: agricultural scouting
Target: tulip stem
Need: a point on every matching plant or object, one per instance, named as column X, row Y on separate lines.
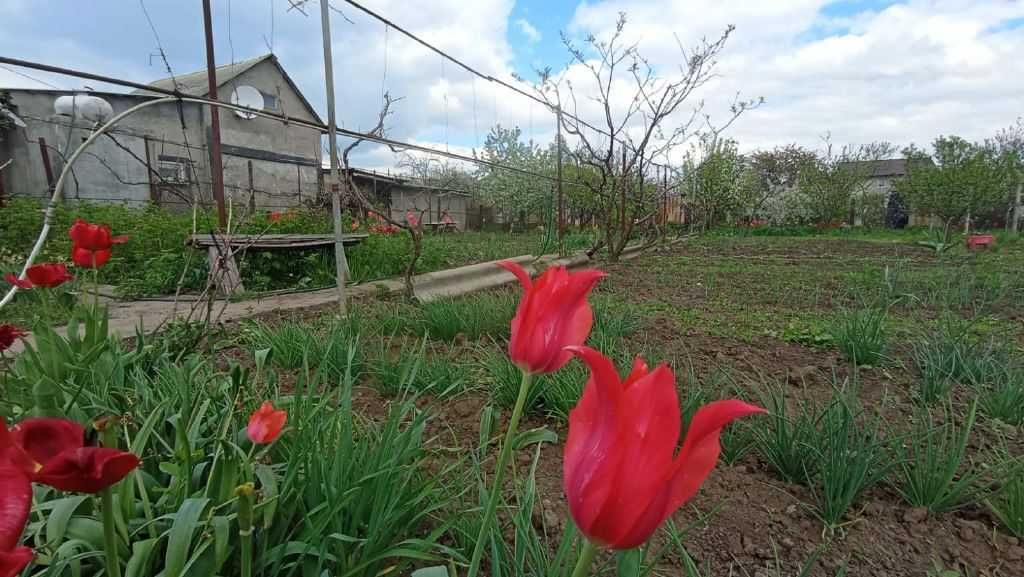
column 586, row 559
column 110, row 534
column 499, row 471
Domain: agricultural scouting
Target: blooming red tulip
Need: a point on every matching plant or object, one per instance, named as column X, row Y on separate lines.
column 553, row 314
column 91, row 244
column 623, row 476
column 8, row 334
column 53, row 452
column 265, row 424
column 412, row 219
column 86, row 258
column 15, row 503
column 49, row 275
column 93, row 237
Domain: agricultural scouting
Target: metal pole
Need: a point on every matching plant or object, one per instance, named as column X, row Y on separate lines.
column 561, row 201
column 340, row 262
column 216, row 168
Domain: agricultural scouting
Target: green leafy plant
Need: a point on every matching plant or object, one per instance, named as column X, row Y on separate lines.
column 861, row 335
column 852, row 458
column 930, row 469
column 1007, row 503
column 788, row 442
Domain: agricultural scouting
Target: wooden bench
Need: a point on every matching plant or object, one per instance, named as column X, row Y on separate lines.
column 441, row 226
column 229, row 280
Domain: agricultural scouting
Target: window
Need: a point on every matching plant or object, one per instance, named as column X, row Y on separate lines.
column 269, row 101
column 173, row 169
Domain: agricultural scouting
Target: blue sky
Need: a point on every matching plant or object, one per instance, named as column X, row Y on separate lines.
column 862, row 70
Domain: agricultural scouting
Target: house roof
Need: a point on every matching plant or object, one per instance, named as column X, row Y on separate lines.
column 195, row 83
column 883, row 168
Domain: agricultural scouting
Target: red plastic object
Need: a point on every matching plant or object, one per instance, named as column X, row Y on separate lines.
column 979, row 241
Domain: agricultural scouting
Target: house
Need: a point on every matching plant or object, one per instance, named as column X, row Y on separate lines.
column 401, row 194
column 880, row 177
column 160, row 154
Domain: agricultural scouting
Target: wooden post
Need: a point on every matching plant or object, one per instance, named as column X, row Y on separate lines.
column 340, row 262
column 252, row 189
column 154, row 190
column 561, row 198
column 47, row 169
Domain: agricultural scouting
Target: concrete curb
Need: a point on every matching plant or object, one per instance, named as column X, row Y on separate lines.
column 127, row 317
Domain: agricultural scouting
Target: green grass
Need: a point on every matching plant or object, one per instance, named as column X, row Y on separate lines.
column 787, row 443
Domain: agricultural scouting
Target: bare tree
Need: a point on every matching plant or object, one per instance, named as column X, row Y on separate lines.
column 619, row 150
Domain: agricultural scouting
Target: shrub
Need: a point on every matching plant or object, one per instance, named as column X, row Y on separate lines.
column 861, row 335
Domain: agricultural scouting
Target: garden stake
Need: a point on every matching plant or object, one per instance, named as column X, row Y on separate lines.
column 244, row 493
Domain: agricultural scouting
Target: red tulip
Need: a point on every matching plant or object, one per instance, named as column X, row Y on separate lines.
column 265, row 424
column 93, row 237
column 15, row 503
column 49, row 275
column 623, row 476
column 553, row 314
column 412, row 219
column 274, row 217
column 8, row 334
column 91, row 244
column 86, row 258
column 53, row 452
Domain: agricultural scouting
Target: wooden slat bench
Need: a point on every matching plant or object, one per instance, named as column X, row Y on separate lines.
column 229, row 280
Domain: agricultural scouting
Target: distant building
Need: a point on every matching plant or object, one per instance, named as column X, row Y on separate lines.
column 401, row 194
column 161, row 153
column 881, row 177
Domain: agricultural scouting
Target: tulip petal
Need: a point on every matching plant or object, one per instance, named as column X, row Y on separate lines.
column 11, row 453
column 45, row 438
column 690, row 468
column 265, row 424
column 639, row 371
column 591, row 456
column 12, row 562
column 20, row 283
column 87, row 469
column 15, row 503
column 519, row 271
column 647, row 436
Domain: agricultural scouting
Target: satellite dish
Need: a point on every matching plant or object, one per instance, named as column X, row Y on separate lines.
column 84, row 106
column 248, row 97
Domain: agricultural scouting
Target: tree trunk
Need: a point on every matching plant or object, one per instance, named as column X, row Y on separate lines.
column 1018, row 208
column 410, row 270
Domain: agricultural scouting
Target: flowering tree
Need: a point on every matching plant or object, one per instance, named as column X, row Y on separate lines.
column 958, row 179
column 828, row 184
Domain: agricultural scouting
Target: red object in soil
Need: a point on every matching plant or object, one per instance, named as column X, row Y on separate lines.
column 980, row 241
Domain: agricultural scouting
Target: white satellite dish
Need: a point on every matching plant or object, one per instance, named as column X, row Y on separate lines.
column 248, row 97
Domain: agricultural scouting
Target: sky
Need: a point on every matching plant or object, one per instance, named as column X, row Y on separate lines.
column 859, row 70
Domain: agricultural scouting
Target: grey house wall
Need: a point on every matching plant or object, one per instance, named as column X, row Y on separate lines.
column 284, row 159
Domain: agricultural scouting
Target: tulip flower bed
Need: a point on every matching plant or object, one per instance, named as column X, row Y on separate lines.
column 385, row 431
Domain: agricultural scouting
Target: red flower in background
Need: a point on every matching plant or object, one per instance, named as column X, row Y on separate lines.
column 354, row 226
column 412, row 219
column 93, row 236
column 48, row 275
column 274, row 217
column 15, row 503
column 623, row 476
column 8, row 334
column 91, row 244
column 53, row 452
column 265, row 424
column 553, row 314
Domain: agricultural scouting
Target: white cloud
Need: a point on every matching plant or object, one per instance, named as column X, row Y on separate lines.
column 528, row 30
column 906, row 73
